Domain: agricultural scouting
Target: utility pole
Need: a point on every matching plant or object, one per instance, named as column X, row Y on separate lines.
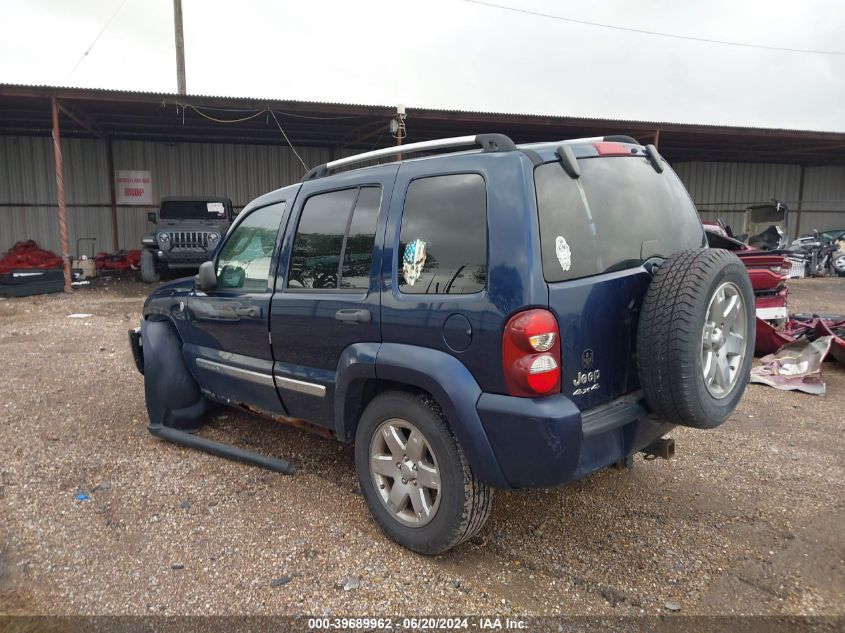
column 397, row 126
column 180, row 47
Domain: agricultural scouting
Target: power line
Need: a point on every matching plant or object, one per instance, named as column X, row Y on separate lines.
column 103, row 30
column 657, row 33
column 292, row 148
column 216, row 120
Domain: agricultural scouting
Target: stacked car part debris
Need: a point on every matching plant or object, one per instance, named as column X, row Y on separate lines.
column 29, row 270
column 27, row 255
column 121, row 260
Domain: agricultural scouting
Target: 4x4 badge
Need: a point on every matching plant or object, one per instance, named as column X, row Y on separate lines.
column 587, row 380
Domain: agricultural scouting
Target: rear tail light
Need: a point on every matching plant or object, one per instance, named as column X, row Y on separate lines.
column 543, row 342
column 531, row 353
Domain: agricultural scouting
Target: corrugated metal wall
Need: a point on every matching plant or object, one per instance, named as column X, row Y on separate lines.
column 27, row 175
column 242, row 172
column 726, row 189
column 824, row 192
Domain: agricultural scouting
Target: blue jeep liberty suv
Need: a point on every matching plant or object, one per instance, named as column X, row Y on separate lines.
column 486, row 315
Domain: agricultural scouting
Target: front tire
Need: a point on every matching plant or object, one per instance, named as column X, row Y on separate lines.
column 149, row 274
column 414, row 475
column 837, row 265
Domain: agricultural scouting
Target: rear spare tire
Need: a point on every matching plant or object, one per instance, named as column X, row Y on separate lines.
column 696, row 337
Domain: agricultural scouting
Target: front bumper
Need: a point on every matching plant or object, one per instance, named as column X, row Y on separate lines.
column 183, row 257
column 544, row 442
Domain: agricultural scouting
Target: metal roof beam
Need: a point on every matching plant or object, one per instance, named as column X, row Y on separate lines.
column 81, row 119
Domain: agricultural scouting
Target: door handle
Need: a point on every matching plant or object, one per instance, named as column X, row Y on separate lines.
column 353, row 315
column 250, row 311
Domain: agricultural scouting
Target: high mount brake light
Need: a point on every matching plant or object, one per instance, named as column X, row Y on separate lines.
column 531, row 353
column 612, row 149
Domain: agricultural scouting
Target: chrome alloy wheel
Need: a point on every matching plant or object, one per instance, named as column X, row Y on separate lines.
column 405, row 473
column 724, row 340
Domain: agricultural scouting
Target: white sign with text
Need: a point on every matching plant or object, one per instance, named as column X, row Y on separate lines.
column 134, row 187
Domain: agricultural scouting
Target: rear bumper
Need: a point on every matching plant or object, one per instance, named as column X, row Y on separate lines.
column 544, row 442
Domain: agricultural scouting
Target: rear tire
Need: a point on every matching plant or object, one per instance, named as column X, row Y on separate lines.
column 461, row 503
column 696, row 337
column 149, row 274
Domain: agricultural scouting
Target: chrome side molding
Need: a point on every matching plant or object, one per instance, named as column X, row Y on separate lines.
column 266, row 380
column 236, row 372
column 310, row 388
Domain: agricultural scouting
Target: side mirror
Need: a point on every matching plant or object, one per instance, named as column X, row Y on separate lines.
column 151, row 217
column 206, row 279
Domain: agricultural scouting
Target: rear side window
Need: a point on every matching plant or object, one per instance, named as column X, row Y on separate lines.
column 443, row 240
column 333, row 245
column 617, row 214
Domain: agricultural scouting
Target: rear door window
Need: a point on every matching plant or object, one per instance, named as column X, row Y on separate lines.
column 443, row 239
column 337, row 227
column 617, row 214
column 360, row 238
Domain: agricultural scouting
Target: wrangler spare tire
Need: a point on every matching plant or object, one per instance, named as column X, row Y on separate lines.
column 695, row 340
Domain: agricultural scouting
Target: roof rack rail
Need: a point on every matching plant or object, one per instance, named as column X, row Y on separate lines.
column 487, row 142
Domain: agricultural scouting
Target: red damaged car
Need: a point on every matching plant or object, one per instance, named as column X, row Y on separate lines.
column 768, row 272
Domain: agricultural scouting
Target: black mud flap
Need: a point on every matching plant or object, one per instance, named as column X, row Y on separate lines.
column 172, row 395
column 137, row 348
column 175, row 404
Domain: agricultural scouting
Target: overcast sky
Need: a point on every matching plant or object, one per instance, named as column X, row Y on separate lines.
column 455, row 54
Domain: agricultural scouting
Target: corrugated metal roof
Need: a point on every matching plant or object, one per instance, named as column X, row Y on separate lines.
column 149, row 116
column 174, row 97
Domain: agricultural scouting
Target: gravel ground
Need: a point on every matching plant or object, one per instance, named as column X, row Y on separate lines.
column 747, row 519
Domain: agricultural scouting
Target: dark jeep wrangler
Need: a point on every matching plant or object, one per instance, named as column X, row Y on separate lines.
column 187, row 232
column 503, row 317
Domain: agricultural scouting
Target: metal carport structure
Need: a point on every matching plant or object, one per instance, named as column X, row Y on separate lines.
column 336, row 129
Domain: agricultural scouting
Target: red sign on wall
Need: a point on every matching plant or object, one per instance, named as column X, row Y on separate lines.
column 134, row 187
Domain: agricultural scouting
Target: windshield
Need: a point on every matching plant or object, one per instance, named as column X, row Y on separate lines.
column 829, row 237
column 617, row 214
column 192, row 210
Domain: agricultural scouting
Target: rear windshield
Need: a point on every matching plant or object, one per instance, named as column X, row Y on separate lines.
column 192, row 210
column 617, row 214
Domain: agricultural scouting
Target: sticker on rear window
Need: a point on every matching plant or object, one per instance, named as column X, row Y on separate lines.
column 413, row 261
column 564, row 254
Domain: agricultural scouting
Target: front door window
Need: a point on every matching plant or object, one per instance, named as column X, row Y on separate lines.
column 244, row 261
